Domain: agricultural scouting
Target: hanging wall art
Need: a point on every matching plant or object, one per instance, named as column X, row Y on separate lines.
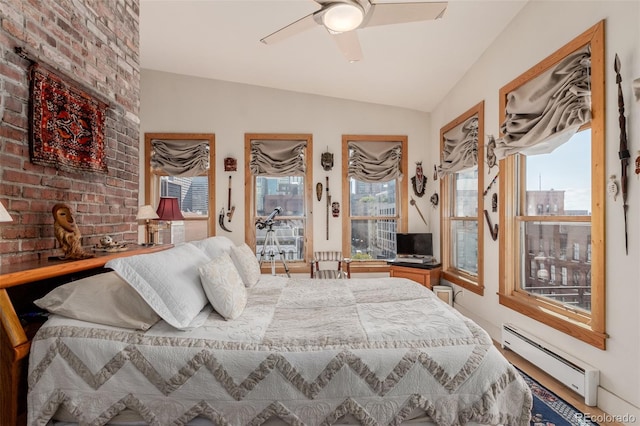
column 67, row 124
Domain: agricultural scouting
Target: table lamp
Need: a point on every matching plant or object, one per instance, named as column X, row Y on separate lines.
column 147, row 214
column 169, row 210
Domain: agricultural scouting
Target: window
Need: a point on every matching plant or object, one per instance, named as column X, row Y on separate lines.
column 179, row 166
column 462, row 151
column 374, row 198
column 552, row 188
column 278, row 173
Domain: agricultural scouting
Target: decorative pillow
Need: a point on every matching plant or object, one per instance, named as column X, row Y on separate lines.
column 224, row 287
column 214, row 246
column 246, row 263
column 168, row 281
column 103, row 299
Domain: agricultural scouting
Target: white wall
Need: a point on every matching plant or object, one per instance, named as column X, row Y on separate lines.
column 541, row 28
column 176, row 103
column 172, row 103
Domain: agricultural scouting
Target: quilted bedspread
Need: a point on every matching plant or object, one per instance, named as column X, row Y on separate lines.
column 305, row 351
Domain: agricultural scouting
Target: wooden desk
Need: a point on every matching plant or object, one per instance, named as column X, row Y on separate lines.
column 426, row 275
column 20, row 285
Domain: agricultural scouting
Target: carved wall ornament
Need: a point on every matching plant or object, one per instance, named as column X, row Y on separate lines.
column 419, row 181
column 491, row 155
column 335, row 209
column 435, row 199
column 326, row 160
column 230, row 164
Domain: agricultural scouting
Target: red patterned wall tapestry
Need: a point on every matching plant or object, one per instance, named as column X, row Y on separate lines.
column 67, row 125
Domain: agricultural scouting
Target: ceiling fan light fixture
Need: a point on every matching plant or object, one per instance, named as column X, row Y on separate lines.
column 342, row 17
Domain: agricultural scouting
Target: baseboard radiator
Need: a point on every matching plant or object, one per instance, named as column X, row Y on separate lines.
column 578, row 376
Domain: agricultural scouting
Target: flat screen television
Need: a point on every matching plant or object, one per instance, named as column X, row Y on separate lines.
column 414, row 245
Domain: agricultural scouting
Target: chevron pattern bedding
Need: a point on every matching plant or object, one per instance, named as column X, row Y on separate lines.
column 305, row 351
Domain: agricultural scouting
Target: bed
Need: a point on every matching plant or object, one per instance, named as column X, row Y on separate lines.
column 300, row 352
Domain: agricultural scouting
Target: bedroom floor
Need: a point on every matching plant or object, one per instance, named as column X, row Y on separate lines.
column 553, row 385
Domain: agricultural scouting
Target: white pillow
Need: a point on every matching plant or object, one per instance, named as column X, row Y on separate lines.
column 246, row 263
column 214, row 246
column 168, row 281
column 224, row 287
column 103, row 299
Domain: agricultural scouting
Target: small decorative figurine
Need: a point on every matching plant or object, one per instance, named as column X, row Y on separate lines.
column 108, row 244
column 419, row 181
column 326, row 160
column 67, row 233
column 494, row 203
column 319, row 191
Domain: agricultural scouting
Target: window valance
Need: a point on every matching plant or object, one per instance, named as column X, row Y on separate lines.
column 278, row 157
column 460, row 147
column 184, row 158
column 546, row 111
column 372, row 161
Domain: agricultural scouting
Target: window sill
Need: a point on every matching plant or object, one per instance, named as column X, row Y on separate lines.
column 554, row 320
column 463, row 282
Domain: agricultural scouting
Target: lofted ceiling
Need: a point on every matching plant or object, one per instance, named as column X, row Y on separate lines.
column 410, row 65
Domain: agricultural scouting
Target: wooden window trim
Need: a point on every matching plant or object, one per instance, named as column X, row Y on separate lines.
column 401, row 188
column 295, row 267
column 449, row 272
column 152, row 198
column 591, row 331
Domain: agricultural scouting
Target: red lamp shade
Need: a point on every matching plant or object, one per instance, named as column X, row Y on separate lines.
column 168, row 209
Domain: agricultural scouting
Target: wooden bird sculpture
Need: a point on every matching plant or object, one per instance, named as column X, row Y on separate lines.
column 67, row 233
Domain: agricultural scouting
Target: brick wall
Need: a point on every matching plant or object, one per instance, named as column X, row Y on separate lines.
column 95, row 44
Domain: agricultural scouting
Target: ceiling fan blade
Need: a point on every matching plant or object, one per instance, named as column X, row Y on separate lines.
column 349, row 45
column 398, row 13
column 292, row 29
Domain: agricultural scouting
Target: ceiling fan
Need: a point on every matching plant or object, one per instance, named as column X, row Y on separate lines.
column 342, row 17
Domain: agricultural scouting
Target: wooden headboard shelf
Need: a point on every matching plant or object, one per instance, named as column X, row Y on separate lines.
column 20, row 285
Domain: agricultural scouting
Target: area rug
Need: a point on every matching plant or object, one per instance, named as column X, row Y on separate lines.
column 551, row 410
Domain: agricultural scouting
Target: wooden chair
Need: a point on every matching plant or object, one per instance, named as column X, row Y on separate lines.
column 330, row 264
